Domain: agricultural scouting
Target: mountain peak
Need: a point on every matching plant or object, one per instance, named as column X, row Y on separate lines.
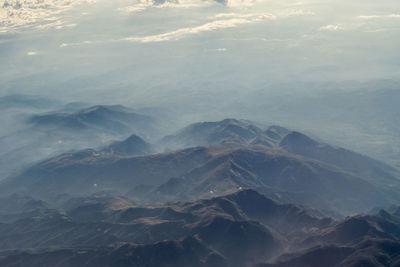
column 104, row 108
column 297, row 139
column 276, row 132
column 227, row 132
column 132, row 146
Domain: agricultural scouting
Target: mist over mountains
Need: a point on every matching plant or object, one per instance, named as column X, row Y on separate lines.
column 41, row 133
column 223, row 193
column 131, row 187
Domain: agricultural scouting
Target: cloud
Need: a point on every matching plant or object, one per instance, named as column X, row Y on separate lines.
column 218, row 22
column 237, row 3
column 58, row 25
column 31, row 53
column 262, row 16
column 376, row 30
column 207, row 27
column 331, row 28
column 371, row 17
column 17, row 14
column 231, row 21
column 141, row 6
column 222, row 21
column 297, row 12
column 76, row 44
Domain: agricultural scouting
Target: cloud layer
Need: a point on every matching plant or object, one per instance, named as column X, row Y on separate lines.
column 216, row 22
column 17, row 14
column 371, row 17
column 211, row 26
column 331, row 28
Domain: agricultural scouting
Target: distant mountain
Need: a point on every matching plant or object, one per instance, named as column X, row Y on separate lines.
column 120, row 204
column 50, row 134
column 107, row 119
column 90, row 171
column 227, row 132
column 132, row 146
column 302, row 181
column 203, row 172
column 372, row 170
column 290, row 167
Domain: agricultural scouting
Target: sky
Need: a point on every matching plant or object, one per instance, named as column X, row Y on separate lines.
column 87, row 46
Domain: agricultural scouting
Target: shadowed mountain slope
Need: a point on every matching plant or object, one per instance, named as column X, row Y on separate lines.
column 240, row 229
column 182, row 253
column 371, row 240
column 88, row 171
column 132, row 146
column 306, row 182
column 371, row 252
column 37, row 137
column 230, row 132
column 377, row 172
column 202, row 172
column 109, row 119
column 236, row 230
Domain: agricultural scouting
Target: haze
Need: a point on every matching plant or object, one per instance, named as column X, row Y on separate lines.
column 269, row 61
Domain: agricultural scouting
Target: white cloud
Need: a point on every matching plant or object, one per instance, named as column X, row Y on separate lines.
column 208, row 27
column 141, row 6
column 297, row 12
column 239, row 3
column 331, row 28
column 183, row 32
column 370, row 17
column 31, row 53
column 58, row 25
column 76, row 44
column 218, row 22
column 376, row 30
column 262, row 16
column 18, row 14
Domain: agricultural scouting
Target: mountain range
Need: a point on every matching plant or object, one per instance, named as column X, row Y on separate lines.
column 117, row 119
column 290, row 166
column 44, row 134
column 240, row 229
column 225, row 193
